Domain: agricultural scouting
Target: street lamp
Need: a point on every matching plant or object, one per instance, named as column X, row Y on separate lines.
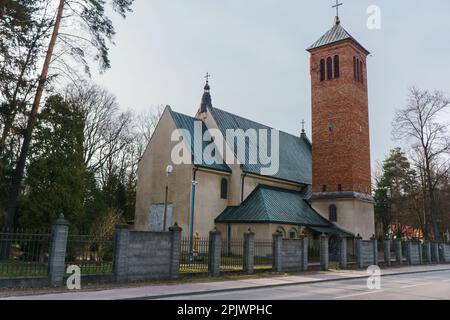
column 169, row 170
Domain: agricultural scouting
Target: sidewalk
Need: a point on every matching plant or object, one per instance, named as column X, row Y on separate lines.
column 160, row 291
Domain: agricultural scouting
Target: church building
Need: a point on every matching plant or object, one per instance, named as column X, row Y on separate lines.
column 323, row 186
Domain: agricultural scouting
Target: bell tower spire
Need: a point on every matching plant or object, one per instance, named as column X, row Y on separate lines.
column 206, row 99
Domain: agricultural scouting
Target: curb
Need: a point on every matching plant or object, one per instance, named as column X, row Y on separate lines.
column 197, row 293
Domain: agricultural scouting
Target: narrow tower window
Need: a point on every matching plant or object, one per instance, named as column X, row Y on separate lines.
column 322, row 70
column 358, row 70
column 354, row 69
column 333, row 213
column 329, row 68
column 336, row 66
column 224, row 189
column 362, row 71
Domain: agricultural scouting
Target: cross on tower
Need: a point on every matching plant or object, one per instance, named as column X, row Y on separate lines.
column 337, row 5
column 303, row 126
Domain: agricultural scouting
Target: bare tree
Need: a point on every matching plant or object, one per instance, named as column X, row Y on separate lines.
column 419, row 122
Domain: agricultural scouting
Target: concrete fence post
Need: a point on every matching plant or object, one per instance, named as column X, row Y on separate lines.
column 324, row 253
column 175, row 250
column 215, row 250
column 57, row 256
column 398, row 251
column 342, row 252
column 419, row 244
column 249, row 252
column 375, row 250
column 435, row 252
column 444, row 253
column 120, row 261
column 387, row 251
column 305, row 248
column 277, row 248
column 427, row 252
column 409, row 252
column 358, row 248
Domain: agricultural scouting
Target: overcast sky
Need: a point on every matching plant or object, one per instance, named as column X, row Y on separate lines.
column 255, row 51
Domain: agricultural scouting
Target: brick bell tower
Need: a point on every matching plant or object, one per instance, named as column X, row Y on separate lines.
column 340, row 132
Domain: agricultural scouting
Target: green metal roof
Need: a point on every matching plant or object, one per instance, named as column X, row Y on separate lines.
column 274, row 205
column 333, row 230
column 186, row 122
column 295, row 152
column 335, row 34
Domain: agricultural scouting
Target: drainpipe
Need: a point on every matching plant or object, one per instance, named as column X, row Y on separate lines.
column 242, row 186
column 191, row 215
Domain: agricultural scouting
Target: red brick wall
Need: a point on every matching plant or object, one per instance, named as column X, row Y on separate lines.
column 343, row 155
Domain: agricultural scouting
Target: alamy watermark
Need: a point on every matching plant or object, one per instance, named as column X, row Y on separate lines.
column 374, row 19
column 74, row 280
column 208, row 146
column 374, row 280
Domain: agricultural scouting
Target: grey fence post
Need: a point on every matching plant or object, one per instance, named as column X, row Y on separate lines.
column 435, row 252
column 398, row 251
column 324, row 252
column 120, row 261
column 359, row 257
column 409, row 252
column 305, row 248
column 175, row 250
column 387, row 251
column 249, row 252
column 342, row 252
column 427, row 251
column 215, row 252
column 375, row 250
column 277, row 247
column 57, row 256
column 443, row 251
column 419, row 244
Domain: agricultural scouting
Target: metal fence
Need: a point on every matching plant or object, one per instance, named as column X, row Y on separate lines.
column 263, row 254
column 232, row 254
column 92, row 253
column 194, row 257
column 380, row 247
column 24, row 253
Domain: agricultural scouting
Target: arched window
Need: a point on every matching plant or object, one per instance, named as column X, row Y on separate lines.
column 329, row 68
column 336, row 66
column 333, row 213
column 322, row 70
column 224, row 189
column 282, row 231
column 361, row 70
column 354, row 69
column 293, row 233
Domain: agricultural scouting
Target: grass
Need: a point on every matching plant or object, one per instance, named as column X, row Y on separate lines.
column 16, row 269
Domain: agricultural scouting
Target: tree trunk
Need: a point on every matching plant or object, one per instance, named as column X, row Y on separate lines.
column 20, row 167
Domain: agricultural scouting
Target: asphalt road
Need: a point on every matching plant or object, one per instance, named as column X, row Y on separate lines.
column 418, row 286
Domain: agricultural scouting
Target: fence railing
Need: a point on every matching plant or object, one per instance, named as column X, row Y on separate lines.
column 93, row 254
column 232, row 254
column 24, row 253
column 263, row 254
column 194, row 257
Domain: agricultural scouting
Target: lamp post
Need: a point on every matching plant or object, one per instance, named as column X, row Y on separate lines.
column 169, row 170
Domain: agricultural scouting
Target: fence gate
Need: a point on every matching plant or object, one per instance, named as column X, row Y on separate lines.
column 333, row 248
